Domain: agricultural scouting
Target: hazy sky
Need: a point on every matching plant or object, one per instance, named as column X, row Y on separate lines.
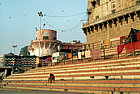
column 19, row 18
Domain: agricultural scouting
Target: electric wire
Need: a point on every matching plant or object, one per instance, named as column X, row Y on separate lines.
column 66, row 15
column 62, row 29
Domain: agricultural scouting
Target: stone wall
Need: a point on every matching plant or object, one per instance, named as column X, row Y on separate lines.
column 101, row 8
column 111, row 25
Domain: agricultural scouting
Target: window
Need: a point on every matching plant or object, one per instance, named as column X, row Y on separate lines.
column 93, row 3
column 54, row 38
column 138, row 2
column 98, row 2
column 89, row 13
column 113, row 5
column 97, row 17
column 46, row 33
column 45, row 37
column 113, row 11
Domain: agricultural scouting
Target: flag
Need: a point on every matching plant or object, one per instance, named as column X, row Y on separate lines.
column 129, row 47
column 120, row 48
column 67, row 47
column 138, row 36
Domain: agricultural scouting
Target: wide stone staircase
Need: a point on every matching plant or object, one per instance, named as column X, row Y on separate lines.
column 110, row 76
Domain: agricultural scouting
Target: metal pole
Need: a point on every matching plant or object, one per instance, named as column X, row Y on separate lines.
column 72, row 55
column 14, row 50
column 40, row 15
column 39, row 36
column 14, row 46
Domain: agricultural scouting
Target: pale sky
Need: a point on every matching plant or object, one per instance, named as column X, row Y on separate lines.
column 19, row 18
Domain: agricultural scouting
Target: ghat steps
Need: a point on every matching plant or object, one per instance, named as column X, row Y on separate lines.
column 110, row 76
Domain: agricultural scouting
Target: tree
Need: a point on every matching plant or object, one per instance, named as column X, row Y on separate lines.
column 24, row 51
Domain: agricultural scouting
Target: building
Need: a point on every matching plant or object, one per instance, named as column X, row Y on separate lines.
column 24, row 51
column 110, row 19
column 46, row 44
column 1, row 60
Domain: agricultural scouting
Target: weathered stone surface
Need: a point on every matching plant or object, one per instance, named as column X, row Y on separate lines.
column 108, row 19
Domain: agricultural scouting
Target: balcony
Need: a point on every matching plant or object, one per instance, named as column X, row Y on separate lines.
column 45, row 40
column 112, row 16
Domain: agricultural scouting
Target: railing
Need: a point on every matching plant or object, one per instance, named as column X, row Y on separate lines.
column 43, row 40
column 107, row 51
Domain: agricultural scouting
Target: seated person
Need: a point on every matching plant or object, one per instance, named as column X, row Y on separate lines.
column 51, row 78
